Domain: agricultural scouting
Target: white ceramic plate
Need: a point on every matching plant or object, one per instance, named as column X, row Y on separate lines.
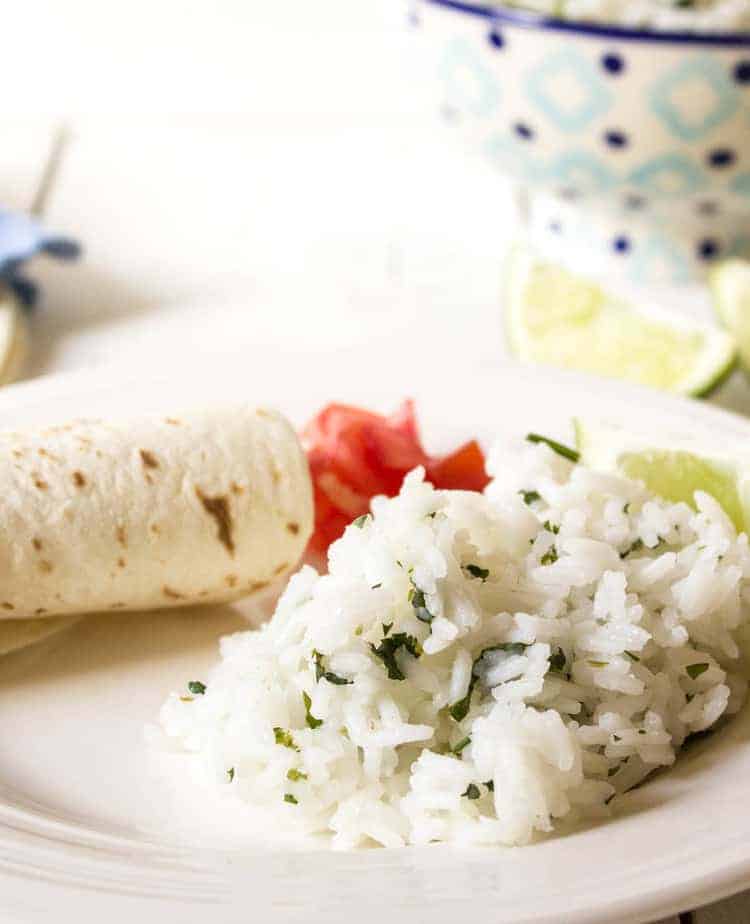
column 91, row 826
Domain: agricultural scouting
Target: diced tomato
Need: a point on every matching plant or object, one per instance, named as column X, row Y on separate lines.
column 355, row 454
column 462, row 470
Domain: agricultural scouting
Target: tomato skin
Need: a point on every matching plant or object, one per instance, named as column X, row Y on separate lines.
column 355, row 454
column 461, row 470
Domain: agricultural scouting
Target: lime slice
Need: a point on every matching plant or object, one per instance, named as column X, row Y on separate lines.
column 673, row 469
column 560, row 319
column 730, row 286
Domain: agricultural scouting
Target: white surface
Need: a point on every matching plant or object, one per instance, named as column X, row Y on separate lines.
column 84, row 804
column 295, row 203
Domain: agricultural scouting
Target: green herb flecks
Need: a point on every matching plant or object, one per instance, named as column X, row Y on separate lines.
column 386, row 652
column 635, row 547
column 632, row 656
column 598, row 664
column 557, row 661
column 312, row 722
column 284, row 738
column 472, row 791
column 360, row 521
column 460, row 709
column 376, row 586
column 490, row 784
column 551, row 527
column 322, row 674
column 549, row 557
column 530, row 497
column 477, row 572
column 387, row 626
column 291, row 799
column 463, row 743
column 565, row 451
column 295, row 775
column 196, row 687
column 230, row 774
column 695, row 670
column 419, row 605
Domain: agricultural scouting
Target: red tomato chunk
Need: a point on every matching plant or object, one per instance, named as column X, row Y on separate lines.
column 355, row 454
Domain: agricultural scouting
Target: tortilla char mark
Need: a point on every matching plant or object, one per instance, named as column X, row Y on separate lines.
column 148, row 459
column 218, row 508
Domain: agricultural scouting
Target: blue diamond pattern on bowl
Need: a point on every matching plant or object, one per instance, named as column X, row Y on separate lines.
column 694, row 97
column 659, row 258
column 582, row 171
column 569, row 90
column 741, row 184
column 512, row 154
column 469, row 85
column 668, row 176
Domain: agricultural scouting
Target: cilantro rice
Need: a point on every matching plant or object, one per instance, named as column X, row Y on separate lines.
column 475, row 667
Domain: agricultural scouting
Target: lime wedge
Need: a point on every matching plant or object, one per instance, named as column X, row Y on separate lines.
column 730, row 286
column 560, row 319
column 673, row 469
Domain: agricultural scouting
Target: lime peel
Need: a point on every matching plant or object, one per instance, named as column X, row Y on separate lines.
column 558, row 318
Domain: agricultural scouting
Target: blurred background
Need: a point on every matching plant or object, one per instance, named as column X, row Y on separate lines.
column 240, row 173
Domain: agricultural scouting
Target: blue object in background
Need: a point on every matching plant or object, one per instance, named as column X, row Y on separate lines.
column 21, row 238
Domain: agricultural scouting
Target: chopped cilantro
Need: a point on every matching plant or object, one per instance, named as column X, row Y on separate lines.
column 598, row 663
column 288, row 797
column 319, row 669
column 295, row 775
column 695, row 670
column 557, row 661
column 460, row 709
column 626, row 508
column 312, row 722
column 529, row 497
column 490, row 784
column 464, row 742
column 386, row 652
column 230, row 774
column 613, row 770
column 359, row 630
column 360, row 521
column 472, row 791
column 565, row 451
column 417, row 600
column 284, row 738
column 635, row 547
column 551, row 527
column 549, row 557
column 387, row 626
column 477, row 572
column 195, row 686
column 633, row 657
column 616, row 737
column 322, row 673
column 375, row 586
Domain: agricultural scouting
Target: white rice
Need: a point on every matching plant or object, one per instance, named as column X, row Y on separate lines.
column 659, row 15
column 611, row 640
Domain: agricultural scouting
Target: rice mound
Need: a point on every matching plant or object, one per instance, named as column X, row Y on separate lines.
column 475, row 666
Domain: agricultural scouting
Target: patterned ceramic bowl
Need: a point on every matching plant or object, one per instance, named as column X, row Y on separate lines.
column 634, row 145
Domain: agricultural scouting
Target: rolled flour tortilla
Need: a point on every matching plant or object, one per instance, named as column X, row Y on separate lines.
column 168, row 511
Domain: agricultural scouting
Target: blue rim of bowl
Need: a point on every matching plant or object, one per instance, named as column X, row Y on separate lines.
column 527, row 19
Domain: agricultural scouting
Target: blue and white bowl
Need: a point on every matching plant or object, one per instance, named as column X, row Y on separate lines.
column 634, row 144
